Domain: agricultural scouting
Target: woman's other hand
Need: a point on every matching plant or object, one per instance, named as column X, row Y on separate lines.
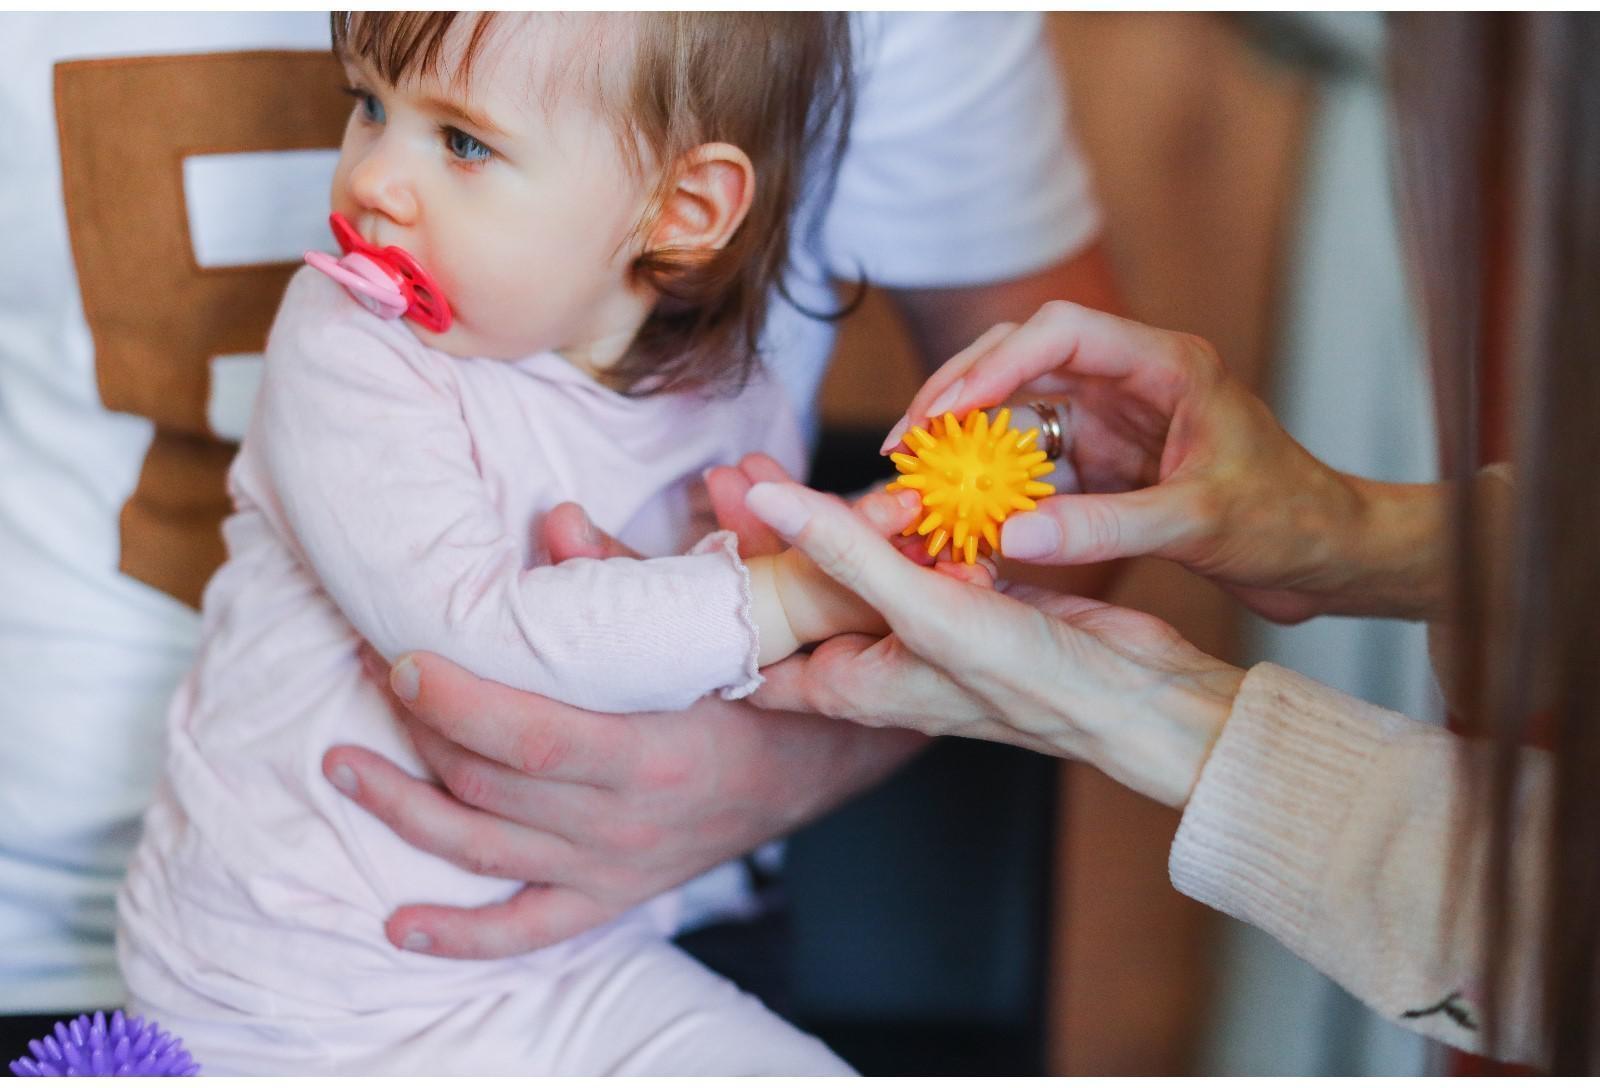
column 1054, row 673
column 1179, row 460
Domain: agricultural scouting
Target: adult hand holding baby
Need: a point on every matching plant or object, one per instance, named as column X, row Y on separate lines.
column 600, row 812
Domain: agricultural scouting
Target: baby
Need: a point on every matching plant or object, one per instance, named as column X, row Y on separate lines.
column 600, row 208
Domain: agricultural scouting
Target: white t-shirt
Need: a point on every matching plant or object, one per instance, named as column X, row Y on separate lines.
column 960, row 170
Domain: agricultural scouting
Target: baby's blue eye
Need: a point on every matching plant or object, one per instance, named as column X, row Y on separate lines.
column 367, row 105
column 465, row 147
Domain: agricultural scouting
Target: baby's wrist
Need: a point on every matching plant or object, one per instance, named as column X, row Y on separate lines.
column 775, row 635
column 817, row 606
column 802, row 592
column 796, row 604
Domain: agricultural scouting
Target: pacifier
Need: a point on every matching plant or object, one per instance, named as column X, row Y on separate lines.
column 387, row 281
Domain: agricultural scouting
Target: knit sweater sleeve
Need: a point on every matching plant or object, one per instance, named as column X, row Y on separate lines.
column 1344, row 831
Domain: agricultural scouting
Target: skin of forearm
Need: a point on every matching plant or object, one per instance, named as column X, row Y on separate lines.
column 846, row 762
column 1397, row 552
column 1188, row 715
column 1166, row 711
column 1395, row 558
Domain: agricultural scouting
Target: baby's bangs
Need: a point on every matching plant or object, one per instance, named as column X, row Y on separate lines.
column 405, row 43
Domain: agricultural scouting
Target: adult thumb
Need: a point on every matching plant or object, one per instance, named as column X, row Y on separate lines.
column 1092, row 528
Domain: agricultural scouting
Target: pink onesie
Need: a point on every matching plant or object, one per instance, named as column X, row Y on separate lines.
column 391, row 493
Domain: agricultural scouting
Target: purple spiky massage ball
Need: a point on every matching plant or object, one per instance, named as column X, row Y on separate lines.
column 120, row 1047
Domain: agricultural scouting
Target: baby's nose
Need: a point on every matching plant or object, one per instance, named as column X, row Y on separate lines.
column 380, row 183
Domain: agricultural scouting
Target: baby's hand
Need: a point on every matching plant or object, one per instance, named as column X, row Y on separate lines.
column 795, row 604
column 818, row 607
column 815, row 605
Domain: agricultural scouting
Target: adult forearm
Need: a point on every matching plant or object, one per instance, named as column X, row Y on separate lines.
column 1398, row 555
column 841, row 764
column 1339, row 828
column 1396, row 560
column 1158, row 742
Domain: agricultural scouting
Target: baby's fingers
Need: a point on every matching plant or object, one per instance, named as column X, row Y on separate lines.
column 980, row 574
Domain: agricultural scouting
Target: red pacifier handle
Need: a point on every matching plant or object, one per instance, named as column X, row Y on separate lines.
column 388, row 281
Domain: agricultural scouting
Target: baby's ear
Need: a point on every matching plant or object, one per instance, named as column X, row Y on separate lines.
column 710, row 196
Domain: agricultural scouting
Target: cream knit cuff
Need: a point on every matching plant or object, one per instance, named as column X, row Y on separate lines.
column 1254, row 840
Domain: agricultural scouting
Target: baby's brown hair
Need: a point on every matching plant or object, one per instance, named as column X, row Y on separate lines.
column 777, row 86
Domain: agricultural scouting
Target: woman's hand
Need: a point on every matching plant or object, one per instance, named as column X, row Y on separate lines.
column 1179, row 460
column 1054, row 673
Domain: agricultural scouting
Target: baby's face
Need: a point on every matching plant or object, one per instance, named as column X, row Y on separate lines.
column 510, row 190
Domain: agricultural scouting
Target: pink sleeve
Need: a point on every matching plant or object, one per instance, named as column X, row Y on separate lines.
column 1335, row 826
column 374, row 472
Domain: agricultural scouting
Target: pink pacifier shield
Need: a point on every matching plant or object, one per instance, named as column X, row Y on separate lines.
column 365, row 279
column 388, row 281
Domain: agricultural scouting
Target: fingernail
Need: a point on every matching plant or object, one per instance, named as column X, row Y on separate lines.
column 405, row 679
column 344, row 780
column 778, row 507
column 417, row 941
column 947, row 400
column 591, row 535
column 1029, row 536
column 896, row 433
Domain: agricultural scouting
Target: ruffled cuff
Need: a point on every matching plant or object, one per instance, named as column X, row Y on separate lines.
column 1256, row 834
column 726, row 544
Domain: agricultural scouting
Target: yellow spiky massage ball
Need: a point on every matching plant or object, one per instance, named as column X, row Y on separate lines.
column 971, row 477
